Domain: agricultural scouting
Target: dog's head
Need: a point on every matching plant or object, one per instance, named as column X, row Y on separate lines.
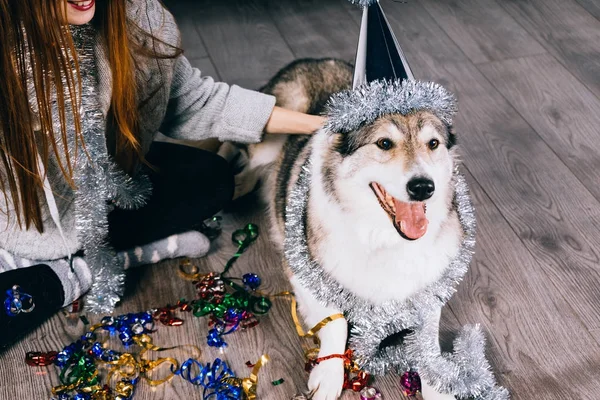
column 395, row 172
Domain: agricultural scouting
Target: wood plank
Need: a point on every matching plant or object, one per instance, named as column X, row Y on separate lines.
column 507, row 292
column 316, row 28
column 191, row 41
column 563, row 112
column 482, row 29
column 567, row 31
column 592, row 6
column 242, row 40
column 550, row 210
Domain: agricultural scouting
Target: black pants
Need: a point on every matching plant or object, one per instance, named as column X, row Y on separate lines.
column 189, row 186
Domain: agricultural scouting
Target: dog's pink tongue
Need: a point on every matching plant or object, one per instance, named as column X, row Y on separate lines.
column 410, row 217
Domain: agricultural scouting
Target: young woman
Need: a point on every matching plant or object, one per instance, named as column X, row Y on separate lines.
column 86, row 191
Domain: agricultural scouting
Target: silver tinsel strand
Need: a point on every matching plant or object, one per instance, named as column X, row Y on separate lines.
column 99, row 181
column 363, row 3
column 464, row 373
column 349, row 110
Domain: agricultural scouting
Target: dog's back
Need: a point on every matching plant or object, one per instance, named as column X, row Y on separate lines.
column 305, row 86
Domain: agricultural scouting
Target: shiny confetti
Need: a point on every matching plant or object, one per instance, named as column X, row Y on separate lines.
column 18, row 302
column 39, row 359
column 229, row 307
column 411, row 383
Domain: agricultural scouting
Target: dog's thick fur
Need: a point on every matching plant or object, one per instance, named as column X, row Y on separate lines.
column 348, row 231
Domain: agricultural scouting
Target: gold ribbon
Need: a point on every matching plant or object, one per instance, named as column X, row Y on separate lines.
column 193, row 275
column 249, row 384
column 128, row 366
column 315, row 329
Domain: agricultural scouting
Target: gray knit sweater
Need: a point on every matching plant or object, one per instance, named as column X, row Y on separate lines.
column 185, row 106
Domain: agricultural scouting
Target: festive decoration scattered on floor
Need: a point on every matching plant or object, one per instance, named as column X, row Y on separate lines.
column 18, row 302
column 219, row 381
column 411, row 383
column 370, row 393
column 39, row 359
column 80, row 363
column 230, row 306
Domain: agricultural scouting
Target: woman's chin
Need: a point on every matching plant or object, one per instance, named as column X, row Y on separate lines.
column 75, row 17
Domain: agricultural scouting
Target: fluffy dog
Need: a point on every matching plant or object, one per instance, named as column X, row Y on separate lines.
column 380, row 217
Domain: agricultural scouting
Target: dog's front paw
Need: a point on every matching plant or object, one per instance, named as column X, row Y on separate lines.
column 326, row 380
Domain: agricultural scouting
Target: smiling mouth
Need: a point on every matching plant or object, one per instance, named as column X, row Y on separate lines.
column 408, row 218
column 82, row 5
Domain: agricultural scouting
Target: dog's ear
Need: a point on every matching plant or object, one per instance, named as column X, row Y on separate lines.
column 451, row 137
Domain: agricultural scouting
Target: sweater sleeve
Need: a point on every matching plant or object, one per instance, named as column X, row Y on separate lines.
column 200, row 108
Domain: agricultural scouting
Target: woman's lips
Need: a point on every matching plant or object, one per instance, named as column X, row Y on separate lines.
column 82, row 5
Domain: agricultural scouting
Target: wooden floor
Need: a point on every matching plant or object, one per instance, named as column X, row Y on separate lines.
column 527, row 75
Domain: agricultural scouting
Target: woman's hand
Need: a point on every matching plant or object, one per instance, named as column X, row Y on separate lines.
column 284, row 121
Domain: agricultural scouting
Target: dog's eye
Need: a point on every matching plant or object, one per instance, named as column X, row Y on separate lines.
column 433, row 144
column 385, row 144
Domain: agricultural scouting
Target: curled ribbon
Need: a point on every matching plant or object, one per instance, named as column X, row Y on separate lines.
column 18, row 302
column 213, row 378
column 251, row 383
column 243, row 238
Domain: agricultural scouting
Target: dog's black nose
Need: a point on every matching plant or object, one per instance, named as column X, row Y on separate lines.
column 420, row 189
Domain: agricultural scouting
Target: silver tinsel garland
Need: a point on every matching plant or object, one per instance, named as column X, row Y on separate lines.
column 99, row 181
column 350, row 109
column 464, row 373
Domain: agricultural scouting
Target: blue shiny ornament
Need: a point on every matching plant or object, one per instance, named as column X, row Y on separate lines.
column 236, row 392
column 64, row 396
column 97, row 349
column 81, row 396
column 146, row 318
column 90, row 336
column 62, row 358
column 251, row 280
column 232, row 315
column 126, row 338
column 17, row 302
column 214, row 338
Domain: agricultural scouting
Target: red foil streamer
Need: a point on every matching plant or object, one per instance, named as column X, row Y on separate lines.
column 39, row 359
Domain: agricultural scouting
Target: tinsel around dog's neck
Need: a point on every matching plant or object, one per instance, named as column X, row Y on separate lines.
column 464, row 373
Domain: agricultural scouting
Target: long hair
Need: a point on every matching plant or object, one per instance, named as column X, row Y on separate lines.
column 33, row 40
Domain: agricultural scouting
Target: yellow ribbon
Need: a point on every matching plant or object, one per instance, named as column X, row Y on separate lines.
column 69, row 388
column 249, row 384
column 129, row 367
column 193, row 275
column 315, row 329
